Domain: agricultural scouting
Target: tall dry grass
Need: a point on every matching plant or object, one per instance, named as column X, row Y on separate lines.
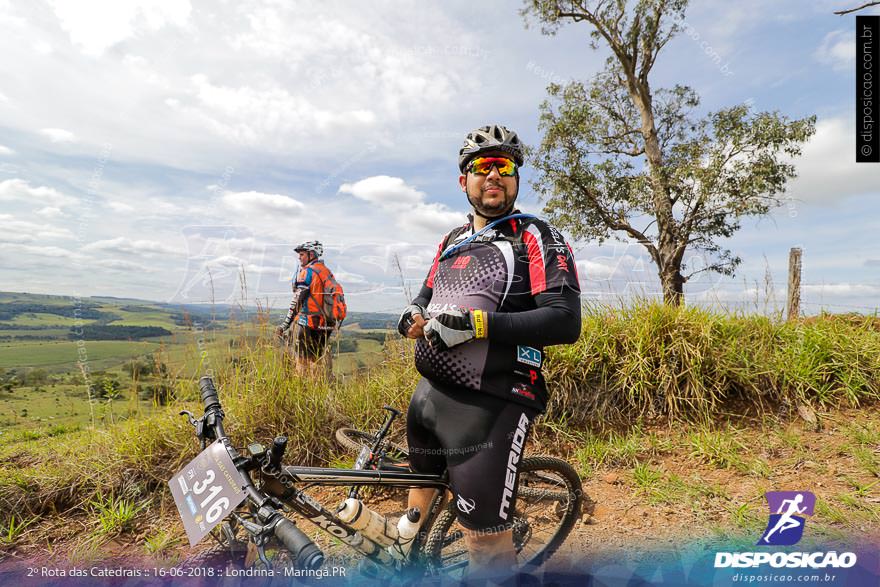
column 631, row 363
column 647, row 361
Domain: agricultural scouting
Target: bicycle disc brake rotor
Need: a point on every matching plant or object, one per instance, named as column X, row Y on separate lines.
column 522, row 532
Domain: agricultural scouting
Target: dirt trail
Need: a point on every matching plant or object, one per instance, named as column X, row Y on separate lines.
column 653, row 490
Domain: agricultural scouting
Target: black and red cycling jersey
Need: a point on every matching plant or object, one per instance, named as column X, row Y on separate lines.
column 522, row 273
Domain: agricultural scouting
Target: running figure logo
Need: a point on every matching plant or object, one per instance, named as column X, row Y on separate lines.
column 786, row 524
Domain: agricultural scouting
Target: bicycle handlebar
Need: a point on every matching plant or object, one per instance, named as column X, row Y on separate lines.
column 305, row 552
column 209, row 393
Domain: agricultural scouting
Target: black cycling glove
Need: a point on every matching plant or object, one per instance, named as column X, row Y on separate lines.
column 406, row 319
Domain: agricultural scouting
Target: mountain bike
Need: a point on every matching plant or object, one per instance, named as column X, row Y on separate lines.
column 257, row 534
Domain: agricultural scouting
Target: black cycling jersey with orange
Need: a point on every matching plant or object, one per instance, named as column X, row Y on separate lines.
column 523, row 274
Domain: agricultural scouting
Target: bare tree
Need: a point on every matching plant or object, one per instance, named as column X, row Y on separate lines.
column 618, row 159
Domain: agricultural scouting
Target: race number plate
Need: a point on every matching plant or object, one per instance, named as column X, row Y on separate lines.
column 206, row 490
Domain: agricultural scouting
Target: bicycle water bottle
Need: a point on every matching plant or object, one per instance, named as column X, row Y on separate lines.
column 407, row 529
column 360, row 542
column 372, row 525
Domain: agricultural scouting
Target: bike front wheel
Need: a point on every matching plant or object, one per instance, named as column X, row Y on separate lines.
column 548, row 503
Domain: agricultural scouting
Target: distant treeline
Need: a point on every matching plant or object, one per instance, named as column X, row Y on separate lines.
column 10, row 310
column 372, row 320
column 377, row 336
column 105, row 332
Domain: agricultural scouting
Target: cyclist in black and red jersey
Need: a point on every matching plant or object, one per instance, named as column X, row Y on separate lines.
column 501, row 288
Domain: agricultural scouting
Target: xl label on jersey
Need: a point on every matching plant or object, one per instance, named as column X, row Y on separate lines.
column 528, row 356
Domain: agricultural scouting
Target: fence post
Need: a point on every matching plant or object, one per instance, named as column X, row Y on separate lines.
column 794, row 284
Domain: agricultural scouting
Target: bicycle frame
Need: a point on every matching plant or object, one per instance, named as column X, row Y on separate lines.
column 281, row 486
column 278, row 485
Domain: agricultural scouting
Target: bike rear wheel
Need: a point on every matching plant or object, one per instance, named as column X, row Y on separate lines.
column 549, row 500
column 356, row 440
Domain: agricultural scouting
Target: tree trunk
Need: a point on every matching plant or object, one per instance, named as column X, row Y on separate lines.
column 673, row 285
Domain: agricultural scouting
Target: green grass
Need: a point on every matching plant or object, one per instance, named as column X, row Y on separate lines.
column 745, row 518
column 51, row 353
column 613, row 449
column 648, row 360
column 27, row 413
column 114, row 514
column 48, row 333
column 647, row 364
column 41, row 319
column 152, row 318
column 12, row 529
column 645, row 477
column 160, row 543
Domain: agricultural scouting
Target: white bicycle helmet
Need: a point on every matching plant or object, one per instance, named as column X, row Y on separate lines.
column 312, row 247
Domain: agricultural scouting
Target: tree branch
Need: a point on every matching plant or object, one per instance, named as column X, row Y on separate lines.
column 865, row 5
column 648, row 53
column 633, row 153
column 712, row 267
column 619, row 224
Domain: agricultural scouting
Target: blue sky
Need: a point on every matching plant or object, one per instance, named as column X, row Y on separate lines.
column 149, row 148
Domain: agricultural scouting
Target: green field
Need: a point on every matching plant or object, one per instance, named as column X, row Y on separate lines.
column 28, row 408
column 148, row 318
column 42, row 333
column 58, row 398
column 41, row 319
column 52, row 354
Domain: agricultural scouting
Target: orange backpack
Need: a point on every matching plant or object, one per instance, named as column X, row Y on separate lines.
column 332, row 305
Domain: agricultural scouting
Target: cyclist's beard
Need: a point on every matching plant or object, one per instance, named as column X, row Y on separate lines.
column 502, row 208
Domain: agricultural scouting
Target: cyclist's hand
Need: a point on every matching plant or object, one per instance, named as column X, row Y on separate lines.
column 455, row 327
column 279, row 332
column 408, row 322
column 417, row 330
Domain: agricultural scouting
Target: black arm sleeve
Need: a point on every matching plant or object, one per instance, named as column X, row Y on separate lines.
column 556, row 320
column 424, row 296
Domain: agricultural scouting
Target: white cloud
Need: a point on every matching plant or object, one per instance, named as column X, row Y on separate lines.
column 827, row 170
column 50, row 252
column 50, row 212
column 838, row 49
column 594, row 271
column 23, row 231
column 120, row 265
column 347, row 278
column 95, row 25
column 842, row 289
column 209, row 85
column 6, row 151
column 384, row 190
column 58, row 135
column 436, row 218
column 236, row 263
column 133, row 247
column 250, row 116
column 20, row 189
column 120, row 207
column 263, row 203
column 404, row 202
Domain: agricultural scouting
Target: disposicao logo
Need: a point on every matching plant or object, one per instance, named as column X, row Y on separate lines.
column 785, row 527
column 786, row 524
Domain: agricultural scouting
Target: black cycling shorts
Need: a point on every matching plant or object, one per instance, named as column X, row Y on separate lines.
column 479, row 439
column 311, row 342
